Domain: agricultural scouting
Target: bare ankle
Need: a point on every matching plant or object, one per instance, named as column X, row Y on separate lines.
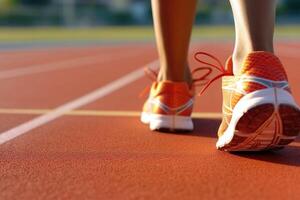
column 164, row 75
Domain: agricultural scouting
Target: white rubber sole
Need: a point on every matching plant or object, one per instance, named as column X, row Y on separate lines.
column 270, row 132
column 171, row 123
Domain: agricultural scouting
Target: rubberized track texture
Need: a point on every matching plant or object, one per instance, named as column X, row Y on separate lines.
column 70, row 129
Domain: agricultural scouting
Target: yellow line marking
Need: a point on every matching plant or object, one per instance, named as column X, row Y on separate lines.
column 207, row 115
column 23, row 111
column 99, row 113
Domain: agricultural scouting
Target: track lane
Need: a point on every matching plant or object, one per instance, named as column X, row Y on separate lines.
column 111, row 157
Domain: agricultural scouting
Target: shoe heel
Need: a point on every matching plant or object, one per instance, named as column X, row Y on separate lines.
column 271, row 122
column 171, row 123
column 255, row 130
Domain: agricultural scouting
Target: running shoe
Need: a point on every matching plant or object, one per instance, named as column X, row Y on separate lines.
column 169, row 107
column 259, row 111
column 170, row 104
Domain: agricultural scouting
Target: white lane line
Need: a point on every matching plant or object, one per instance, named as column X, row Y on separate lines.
column 86, row 99
column 65, row 64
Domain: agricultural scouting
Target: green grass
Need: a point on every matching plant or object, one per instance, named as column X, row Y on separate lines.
column 121, row 33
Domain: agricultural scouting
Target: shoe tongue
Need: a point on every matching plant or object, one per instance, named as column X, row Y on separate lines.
column 263, row 64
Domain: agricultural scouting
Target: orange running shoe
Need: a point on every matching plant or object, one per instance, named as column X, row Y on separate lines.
column 259, row 111
column 170, row 104
column 169, row 107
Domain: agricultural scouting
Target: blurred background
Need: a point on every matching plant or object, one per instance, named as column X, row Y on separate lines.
column 117, row 19
column 116, row 12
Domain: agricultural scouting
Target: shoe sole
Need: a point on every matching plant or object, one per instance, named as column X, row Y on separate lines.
column 168, row 123
column 263, row 120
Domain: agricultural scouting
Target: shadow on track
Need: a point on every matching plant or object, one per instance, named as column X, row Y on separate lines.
column 290, row 155
column 202, row 128
column 206, row 127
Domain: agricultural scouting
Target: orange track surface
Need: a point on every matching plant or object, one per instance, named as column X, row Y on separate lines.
column 97, row 157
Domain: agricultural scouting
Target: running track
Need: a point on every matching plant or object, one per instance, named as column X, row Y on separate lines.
column 70, row 130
